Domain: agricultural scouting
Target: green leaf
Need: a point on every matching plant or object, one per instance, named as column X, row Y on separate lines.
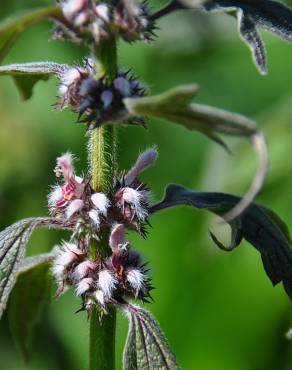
column 28, row 74
column 11, row 29
column 175, row 105
column 31, row 292
column 13, row 241
column 34, row 261
column 258, row 225
column 147, row 347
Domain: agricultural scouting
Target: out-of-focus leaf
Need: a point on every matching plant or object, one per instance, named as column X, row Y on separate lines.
column 31, row 292
column 259, row 226
column 147, row 347
column 13, row 241
column 28, row 74
column 12, row 28
column 273, row 16
column 175, row 105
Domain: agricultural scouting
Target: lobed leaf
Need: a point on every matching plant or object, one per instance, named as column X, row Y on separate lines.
column 175, row 105
column 11, row 29
column 258, row 225
column 273, row 16
column 26, row 75
column 147, row 347
column 31, row 292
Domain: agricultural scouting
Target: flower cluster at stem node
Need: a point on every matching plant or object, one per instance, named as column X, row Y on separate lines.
column 100, row 218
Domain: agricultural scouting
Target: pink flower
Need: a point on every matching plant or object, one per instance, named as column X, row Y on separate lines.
column 145, row 160
column 66, row 198
column 83, row 286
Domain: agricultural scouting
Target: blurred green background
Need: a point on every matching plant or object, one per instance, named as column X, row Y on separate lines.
column 218, row 310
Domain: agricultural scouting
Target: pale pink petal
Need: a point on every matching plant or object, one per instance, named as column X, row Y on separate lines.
column 117, row 237
column 93, row 214
column 83, row 286
column 144, row 161
column 74, row 206
column 101, row 202
column 83, row 269
column 55, row 196
column 65, row 166
column 107, row 282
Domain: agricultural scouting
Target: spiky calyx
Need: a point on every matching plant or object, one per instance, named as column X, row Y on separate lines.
column 98, row 101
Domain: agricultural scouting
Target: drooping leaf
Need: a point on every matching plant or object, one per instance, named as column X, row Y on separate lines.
column 11, row 29
column 175, row 105
column 33, row 262
column 147, row 347
column 259, row 226
column 28, row 74
column 13, row 241
column 31, row 292
column 273, row 16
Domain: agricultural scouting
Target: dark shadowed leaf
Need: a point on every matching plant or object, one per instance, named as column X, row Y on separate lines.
column 31, row 292
column 175, row 105
column 147, row 347
column 273, row 16
column 28, row 74
column 13, row 241
column 259, row 226
column 11, row 29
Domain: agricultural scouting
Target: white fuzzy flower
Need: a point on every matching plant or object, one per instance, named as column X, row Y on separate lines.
column 55, row 196
column 70, row 8
column 73, row 207
column 102, row 11
column 136, row 279
column 93, row 214
column 83, row 286
column 100, row 202
column 107, row 282
column 136, row 199
column 100, row 297
column 83, row 269
column 65, row 256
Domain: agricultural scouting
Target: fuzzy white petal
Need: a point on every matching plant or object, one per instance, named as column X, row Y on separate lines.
column 93, row 214
column 83, row 286
column 100, row 297
column 136, row 279
column 102, row 11
column 82, row 269
column 101, row 202
column 55, row 195
column 73, row 207
column 135, row 199
column 72, row 7
column 107, row 282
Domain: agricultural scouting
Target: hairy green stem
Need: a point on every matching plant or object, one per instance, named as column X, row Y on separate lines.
column 102, row 149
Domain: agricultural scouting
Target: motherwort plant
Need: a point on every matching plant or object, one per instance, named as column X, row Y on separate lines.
column 103, row 203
